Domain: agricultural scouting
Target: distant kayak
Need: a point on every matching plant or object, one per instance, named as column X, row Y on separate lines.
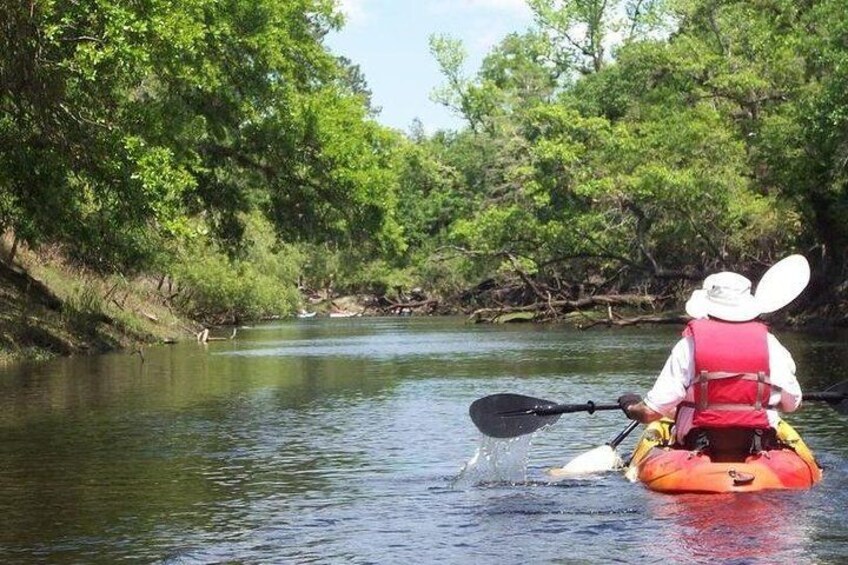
column 306, row 314
column 662, row 468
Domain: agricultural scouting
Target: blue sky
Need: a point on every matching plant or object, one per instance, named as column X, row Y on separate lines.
column 388, row 39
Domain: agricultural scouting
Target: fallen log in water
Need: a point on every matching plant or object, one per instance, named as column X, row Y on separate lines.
column 554, row 309
column 636, row 320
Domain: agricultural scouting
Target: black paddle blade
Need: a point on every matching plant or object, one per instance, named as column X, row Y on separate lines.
column 509, row 415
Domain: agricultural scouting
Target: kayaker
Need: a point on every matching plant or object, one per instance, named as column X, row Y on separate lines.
column 725, row 380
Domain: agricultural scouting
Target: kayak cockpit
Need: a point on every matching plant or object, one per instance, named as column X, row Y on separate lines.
column 663, row 467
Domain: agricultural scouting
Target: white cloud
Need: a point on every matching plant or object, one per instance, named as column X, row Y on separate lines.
column 354, row 10
column 484, row 39
column 505, row 5
column 518, row 7
column 484, row 23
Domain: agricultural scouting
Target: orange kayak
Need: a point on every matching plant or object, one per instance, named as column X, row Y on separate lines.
column 663, row 468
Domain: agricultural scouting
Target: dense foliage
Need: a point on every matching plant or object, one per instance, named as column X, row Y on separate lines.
column 615, row 146
column 635, row 144
column 120, row 121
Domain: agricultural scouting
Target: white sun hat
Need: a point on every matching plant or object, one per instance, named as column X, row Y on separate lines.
column 726, row 296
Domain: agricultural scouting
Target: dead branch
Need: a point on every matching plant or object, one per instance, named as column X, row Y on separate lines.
column 412, row 305
column 618, row 322
column 572, row 305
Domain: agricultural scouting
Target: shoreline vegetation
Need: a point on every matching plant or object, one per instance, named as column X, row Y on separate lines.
column 50, row 308
column 168, row 168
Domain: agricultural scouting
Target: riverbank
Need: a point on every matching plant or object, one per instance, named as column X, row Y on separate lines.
column 49, row 308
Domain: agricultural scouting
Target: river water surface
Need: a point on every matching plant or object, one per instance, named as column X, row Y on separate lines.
column 343, row 441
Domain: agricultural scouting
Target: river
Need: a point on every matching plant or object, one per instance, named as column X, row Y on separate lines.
column 343, row 441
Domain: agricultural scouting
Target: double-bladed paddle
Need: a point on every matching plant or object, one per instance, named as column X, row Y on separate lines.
column 511, row 415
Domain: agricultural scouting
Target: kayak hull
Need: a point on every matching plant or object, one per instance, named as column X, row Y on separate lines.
column 663, row 468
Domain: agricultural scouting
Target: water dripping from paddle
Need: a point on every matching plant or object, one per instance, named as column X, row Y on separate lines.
column 496, row 461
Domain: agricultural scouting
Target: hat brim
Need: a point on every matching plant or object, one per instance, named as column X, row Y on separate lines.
column 699, row 306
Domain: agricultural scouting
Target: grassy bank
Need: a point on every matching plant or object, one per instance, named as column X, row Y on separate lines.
column 49, row 308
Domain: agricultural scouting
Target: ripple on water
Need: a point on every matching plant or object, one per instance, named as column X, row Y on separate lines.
column 327, row 443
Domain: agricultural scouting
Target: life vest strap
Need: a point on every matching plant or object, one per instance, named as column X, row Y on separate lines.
column 732, row 407
column 728, row 407
column 704, row 377
column 714, row 375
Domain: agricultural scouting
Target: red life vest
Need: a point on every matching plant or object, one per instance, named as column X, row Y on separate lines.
column 731, row 385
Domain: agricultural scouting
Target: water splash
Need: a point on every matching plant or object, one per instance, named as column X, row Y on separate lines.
column 496, row 461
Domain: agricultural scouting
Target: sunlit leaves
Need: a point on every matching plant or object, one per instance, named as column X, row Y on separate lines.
column 343, row 185
column 655, row 158
column 123, row 120
column 158, row 184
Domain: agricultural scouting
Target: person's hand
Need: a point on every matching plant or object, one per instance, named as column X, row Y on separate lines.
column 625, row 401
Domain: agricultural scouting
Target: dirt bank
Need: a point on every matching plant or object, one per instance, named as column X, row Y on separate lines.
column 48, row 308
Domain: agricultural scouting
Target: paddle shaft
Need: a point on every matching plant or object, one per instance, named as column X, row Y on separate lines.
column 589, row 407
column 592, row 407
column 826, row 396
column 624, row 433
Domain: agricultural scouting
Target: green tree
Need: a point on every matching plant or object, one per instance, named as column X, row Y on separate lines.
column 641, row 169
column 121, row 120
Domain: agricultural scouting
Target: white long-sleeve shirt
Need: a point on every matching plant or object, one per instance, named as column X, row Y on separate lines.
column 673, row 384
